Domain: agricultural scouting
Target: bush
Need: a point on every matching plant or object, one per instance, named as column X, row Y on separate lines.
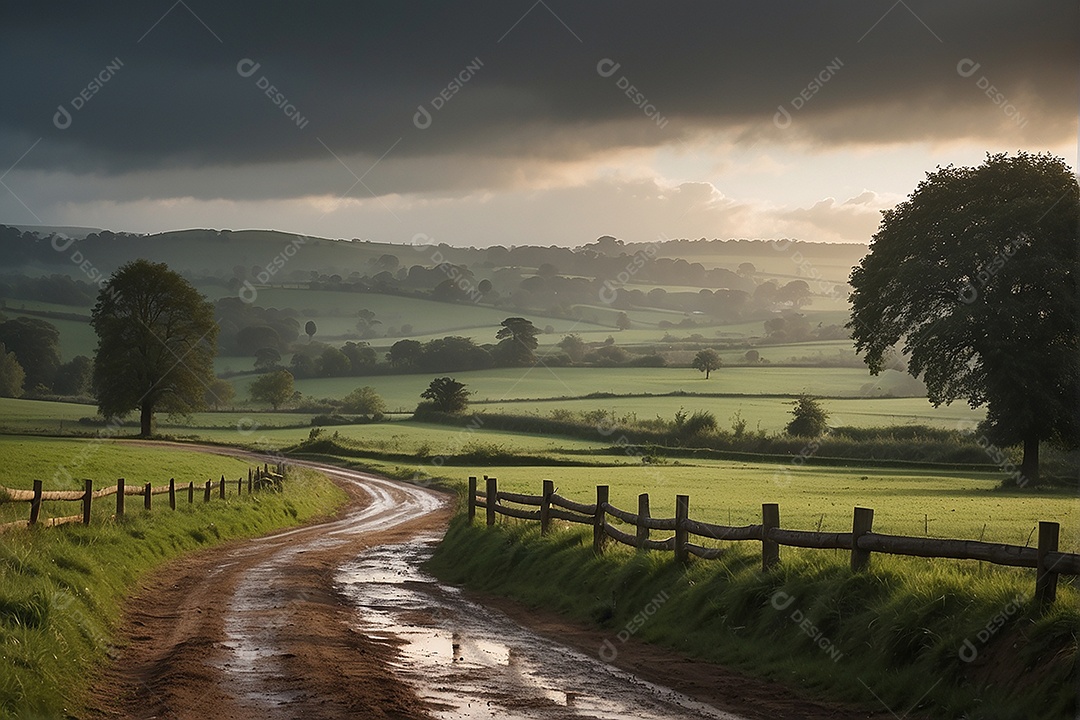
column 702, row 422
column 809, row 418
column 364, row 401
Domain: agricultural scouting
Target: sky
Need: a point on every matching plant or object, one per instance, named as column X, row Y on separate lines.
column 536, row 122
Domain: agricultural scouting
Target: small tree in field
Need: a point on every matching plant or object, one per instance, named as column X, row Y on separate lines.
column 364, row 401
column 275, row 388
column 706, row 361
column 809, row 418
column 447, row 395
column 219, row 393
column 11, row 374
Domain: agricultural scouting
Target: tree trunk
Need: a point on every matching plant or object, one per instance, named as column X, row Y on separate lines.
column 146, row 419
column 706, row 373
column 1029, row 467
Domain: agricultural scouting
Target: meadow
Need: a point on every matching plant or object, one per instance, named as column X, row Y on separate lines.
column 541, row 382
column 890, row 636
column 62, row 589
column 932, row 503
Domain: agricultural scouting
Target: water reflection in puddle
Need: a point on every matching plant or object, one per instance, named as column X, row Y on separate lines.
column 472, row 662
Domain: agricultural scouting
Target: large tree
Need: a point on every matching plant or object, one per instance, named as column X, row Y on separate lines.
column 156, row 343
column 518, row 341
column 975, row 277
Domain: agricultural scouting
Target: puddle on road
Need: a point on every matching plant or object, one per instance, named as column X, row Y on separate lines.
column 472, row 662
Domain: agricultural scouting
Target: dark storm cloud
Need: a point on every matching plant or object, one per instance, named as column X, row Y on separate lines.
column 352, row 76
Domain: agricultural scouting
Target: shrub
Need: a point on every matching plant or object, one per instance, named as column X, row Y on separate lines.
column 702, row 422
column 809, row 418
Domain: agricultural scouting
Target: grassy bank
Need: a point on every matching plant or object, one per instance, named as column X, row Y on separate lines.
column 62, row 589
column 897, row 631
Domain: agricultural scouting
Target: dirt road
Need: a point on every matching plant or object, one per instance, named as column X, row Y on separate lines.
column 336, row 620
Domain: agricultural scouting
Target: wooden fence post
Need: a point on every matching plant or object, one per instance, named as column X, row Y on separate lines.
column 598, row 535
column 862, row 522
column 191, row 492
column 545, row 506
column 492, row 496
column 222, row 493
column 88, row 498
column 35, row 504
column 147, row 494
column 682, row 514
column 239, row 486
column 172, row 493
column 770, row 549
column 642, row 519
column 206, row 492
column 1045, row 577
column 472, row 498
column 249, row 481
column 120, row 498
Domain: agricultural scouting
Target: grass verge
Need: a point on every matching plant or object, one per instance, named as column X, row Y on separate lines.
column 62, row 589
column 953, row 640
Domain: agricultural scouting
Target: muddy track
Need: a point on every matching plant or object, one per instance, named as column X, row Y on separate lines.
column 336, row 620
column 256, row 629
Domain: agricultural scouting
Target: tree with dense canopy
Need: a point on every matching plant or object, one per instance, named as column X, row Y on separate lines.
column 267, row 358
column 156, row 343
column 447, row 395
column 275, row 388
column 975, row 276
column 333, row 363
column 404, row 353
column 364, row 401
column 706, row 361
column 75, row 376
column 574, row 347
column 518, row 341
column 36, row 344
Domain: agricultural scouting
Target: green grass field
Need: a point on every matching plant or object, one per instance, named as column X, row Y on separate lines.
column 891, row 634
column 402, row 392
column 18, row 415
column 964, row 505
column 62, row 589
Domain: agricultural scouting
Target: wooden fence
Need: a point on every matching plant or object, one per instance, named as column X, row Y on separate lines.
column 258, row 478
column 861, row 541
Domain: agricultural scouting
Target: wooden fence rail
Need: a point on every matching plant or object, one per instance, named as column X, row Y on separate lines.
column 861, row 542
column 258, row 479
